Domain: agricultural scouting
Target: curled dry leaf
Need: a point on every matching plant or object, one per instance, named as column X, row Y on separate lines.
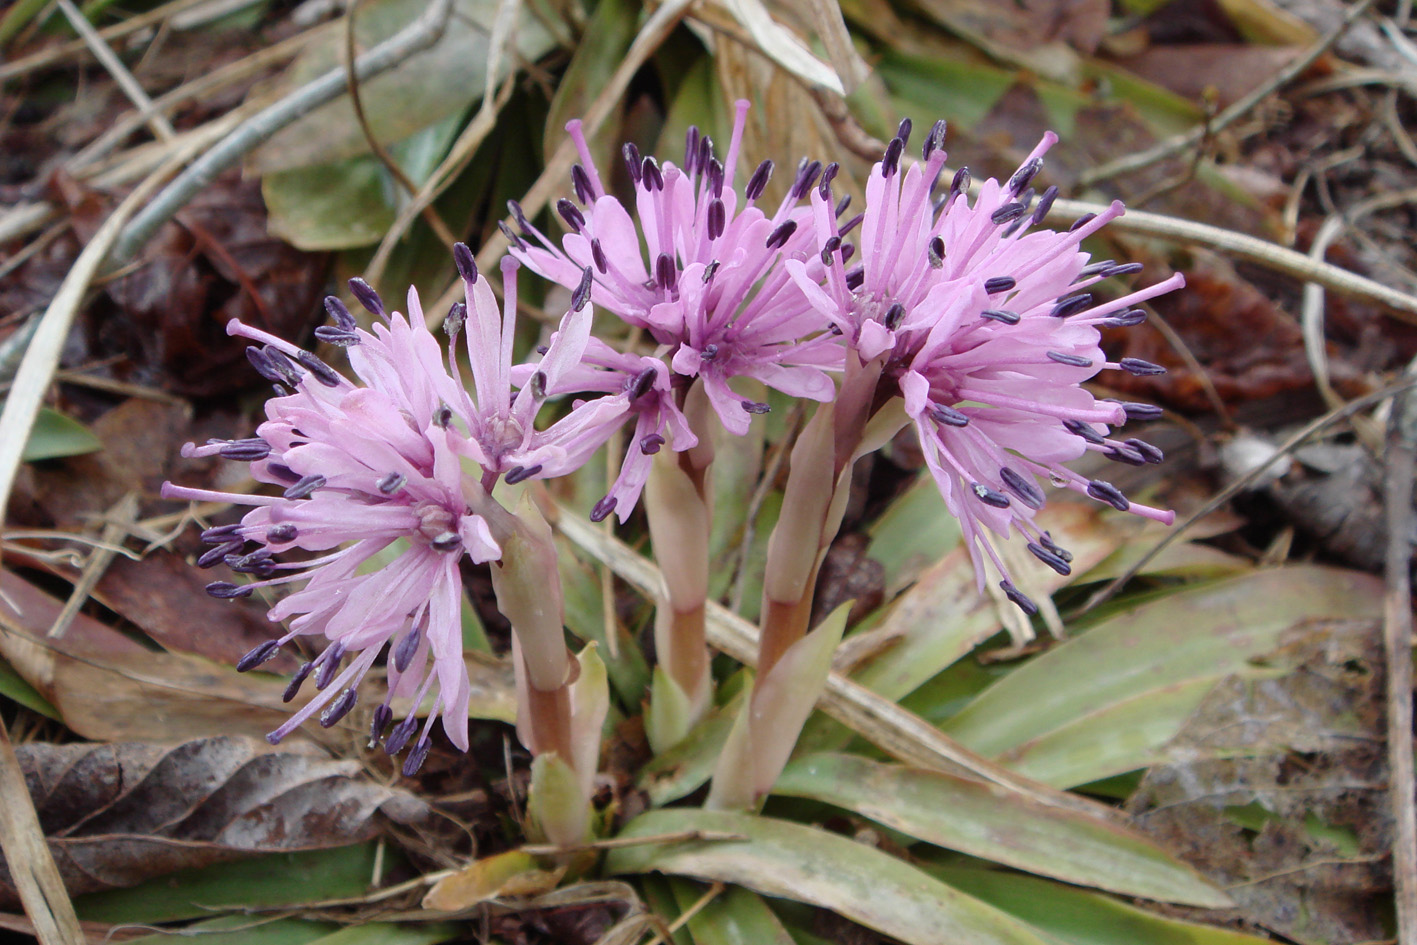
column 115, row 815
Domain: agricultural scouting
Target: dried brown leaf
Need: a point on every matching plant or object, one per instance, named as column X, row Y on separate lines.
column 115, row 815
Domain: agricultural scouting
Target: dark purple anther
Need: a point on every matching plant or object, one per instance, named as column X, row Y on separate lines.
column 580, row 180
column 282, row 534
column 779, row 237
column 934, row 140
column 651, row 444
column 339, row 708
column 841, row 206
column 246, row 451
column 263, row 364
column 214, row 556
column 1135, row 411
column 365, row 295
column 571, row 214
column 989, row 497
column 305, row 487
column 717, row 219
column 824, row 188
column 258, row 655
column 597, row 255
column 1001, row 315
column 332, row 335
column 1092, row 269
column 633, row 164
column 1023, row 487
column 510, row 235
column 323, row 372
column 339, row 314
column 1082, row 221
column 417, row 756
column 221, row 534
column 1070, row 306
column 691, row 149
column 1024, row 176
column 855, row 277
column 709, row 271
column 283, row 472
column 407, row 649
column 1125, row 454
column 400, row 735
column 1072, row 360
column 452, row 541
column 538, row 384
column 329, row 665
column 1140, row 368
column 642, row 383
column 949, row 416
column 847, row 251
column 709, row 352
column 806, row 177
column 1050, row 559
column 442, row 416
column 519, row 215
column 651, row 176
column 292, row 688
column 1150, row 453
column 602, row 509
column 581, row 296
column 1127, row 319
column 283, row 366
column 259, row 563
column 960, row 183
column 832, row 244
column 894, row 316
column 1008, row 213
column 1046, row 540
column 665, row 274
column 902, row 131
column 756, row 408
column 1106, row 492
column 935, row 250
column 758, row 182
column 999, row 284
column 1083, row 429
column 850, row 225
column 890, row 162
column 518, row 474
column 224, row 590
column 456, row 318
column 1045, row 204
column 1125, row 269
column 1019, row 599
column 715, row 178
column 391, row 483
column 383, row 715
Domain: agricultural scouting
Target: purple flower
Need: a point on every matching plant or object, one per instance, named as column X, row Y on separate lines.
column 373, row 485
column 714, row 295
column 985, row 326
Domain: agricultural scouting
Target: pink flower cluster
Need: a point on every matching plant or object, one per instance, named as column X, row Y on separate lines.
column 979, row 320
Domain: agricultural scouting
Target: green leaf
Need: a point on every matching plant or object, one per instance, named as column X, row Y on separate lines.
column 247, row 930
column 793, row 861
column 281, row 880
column 1074, row 917
column 54, row 435
column 13, row 686
column 686, row 767
column 737, row 917
column 987, row 821
column 598, row 53
column 928, row 87
column 1144, row 668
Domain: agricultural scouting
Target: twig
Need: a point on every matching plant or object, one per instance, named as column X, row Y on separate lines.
column 32, row 868
column 418, row 35
column 430, row 216
column 1397, row 641
column 48, row 57
column 123, row 513
column 1179, row 143
column 1270, row 255
column 156, row 120
column 1239, row 485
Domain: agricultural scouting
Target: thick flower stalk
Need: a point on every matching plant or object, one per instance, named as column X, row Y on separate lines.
column 368, row 472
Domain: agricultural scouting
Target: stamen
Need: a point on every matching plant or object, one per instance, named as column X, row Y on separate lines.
column 1125, row 269
column 949, row 416
column 391, row 483
column 339, row 313
column 466, row 262
column 717, row 219
column 841, row 206
column 1084, row 429
column 571, row 214
column 597, row 255
column 779, row 237
column 581, row 296
column 292, row 688
column 935, row 250
column 1050, row 559
column 709, row 353
column 989, row 497
column 407, row 649
column 903, row 131
column 510, row 235
column 283, row 472
column 960, row 183
column 281, row 534
column 934, row 140
column 1071, row 305
column 305, row 487
column 258, row 655
column 806, row 177
column 442, row 416
column 651, row 444
column 1017, row 596
column 417, row 756
column 1140, row 368
column 225, row 590
column 214, row 556
column 633, row 164
column 1082, row 221
column 365, row 295
column 999, row 284
column 602, row 509
column 1148, row 452
column 455, row 319
column 642, row 383
column 400, row 735
column 1125, row 454
column 1008, row 213
column 1045, row 204
column 894, row 316
column 891, row 161
column 339, row 708
column 323, row 372
column 652, row 177
column 758, row 182
column 1135, row 411
column 709, row 271
column 383, row 715
column 452, row 541
column 832, row 244
column 329, row 665
column 332, row 335
column 1125, row 319
column 221, row 534
column 855, row 277
column 1024, row 176
column 246, row 451
column 581, row 182
column 538, row 385
column 1024, row 488
column 664, row 273
column 1106, row 492
column 828, row 175
column 515, row 475
column 1001, row 315
column 757, row 409
column 1073, row 360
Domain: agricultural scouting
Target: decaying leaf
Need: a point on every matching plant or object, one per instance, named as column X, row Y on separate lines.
column 115, row 815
